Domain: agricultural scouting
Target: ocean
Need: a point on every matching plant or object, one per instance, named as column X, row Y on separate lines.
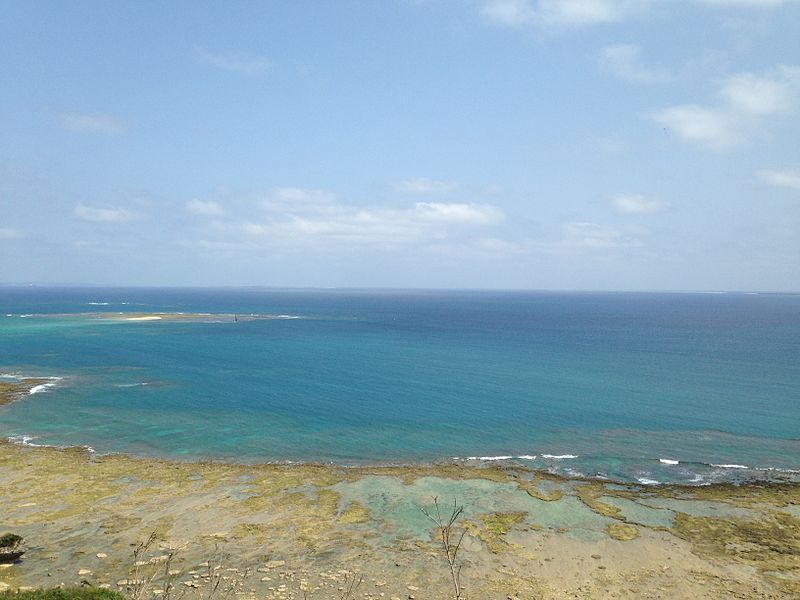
column 634, row 387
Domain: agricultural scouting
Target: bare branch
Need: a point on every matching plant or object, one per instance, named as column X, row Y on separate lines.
column 445, row 532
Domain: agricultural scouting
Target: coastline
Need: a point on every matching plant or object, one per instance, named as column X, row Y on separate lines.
column 527, row 533
column 14, row 387
column 11, row 392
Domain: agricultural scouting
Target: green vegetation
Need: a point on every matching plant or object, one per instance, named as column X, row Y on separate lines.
column 10, row 540
column 10, row 547
column 67, row 593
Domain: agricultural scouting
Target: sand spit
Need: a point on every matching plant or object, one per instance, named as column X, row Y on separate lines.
column 280, row 529
column 166, row 316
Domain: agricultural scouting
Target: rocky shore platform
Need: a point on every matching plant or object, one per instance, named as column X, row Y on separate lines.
column 283, row 531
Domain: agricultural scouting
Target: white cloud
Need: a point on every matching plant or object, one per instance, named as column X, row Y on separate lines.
column 638, row 204
column 747, row 100
column 204, row 207
column 513, row 13
column 298, row 200
column 423, row 185
column 559, row 13
column 234, row 62
column 588, row 12
column 781, row 178
column 7, row 233
column 579, row 13
column 301, row 215
column 111, row 214
column 624, row 61
column 583, row 235
column 762, row 95
column 297, row 195
column 712, row 128
column 92, row 123
column 453, row 212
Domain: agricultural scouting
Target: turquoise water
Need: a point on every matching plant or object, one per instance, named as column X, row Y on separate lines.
column 596, row 384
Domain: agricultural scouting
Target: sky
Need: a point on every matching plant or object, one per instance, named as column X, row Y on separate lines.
column 522, row 144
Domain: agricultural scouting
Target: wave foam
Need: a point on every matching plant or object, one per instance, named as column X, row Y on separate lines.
column 43, row 387
column 25, row 440
column 730, row 466
column 559, row 456
column 668, row 461
column 774, row 469
column 647, row 481
column 503, row 457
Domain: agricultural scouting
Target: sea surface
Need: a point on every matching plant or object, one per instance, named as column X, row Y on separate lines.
column 657, row 387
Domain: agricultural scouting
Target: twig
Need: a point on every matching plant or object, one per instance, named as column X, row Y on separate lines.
column 350, row 585
column 445, row 534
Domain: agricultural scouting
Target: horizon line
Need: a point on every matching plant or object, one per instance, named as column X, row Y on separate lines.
column 84, row 285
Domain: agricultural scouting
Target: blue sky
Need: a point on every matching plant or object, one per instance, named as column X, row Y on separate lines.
column 545, row 144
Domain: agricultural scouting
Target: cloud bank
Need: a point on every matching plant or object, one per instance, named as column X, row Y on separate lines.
column 747, row 101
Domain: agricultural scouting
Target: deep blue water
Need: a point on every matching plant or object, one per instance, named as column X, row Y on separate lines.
column 619, row 380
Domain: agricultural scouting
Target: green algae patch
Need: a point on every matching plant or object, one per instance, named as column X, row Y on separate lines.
column 743, row 496
column 493, row 528
column 770, row 543
column 14, row 390
column 119, row 523
column 291, row 499
column 8, row 392
column 409, row 474
column 259, row 531
column 622, row 531
column 590, row 495
column 354, row 513
column 162, row 527
column 534, row 489
column 327, row 505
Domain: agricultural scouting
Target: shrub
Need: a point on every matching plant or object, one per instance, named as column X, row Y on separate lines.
column 10, row 540
column 67, row 593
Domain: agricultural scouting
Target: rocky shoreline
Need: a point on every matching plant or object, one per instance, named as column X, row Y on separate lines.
column 276, row 531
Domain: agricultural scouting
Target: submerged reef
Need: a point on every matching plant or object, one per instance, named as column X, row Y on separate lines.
column 14, row 389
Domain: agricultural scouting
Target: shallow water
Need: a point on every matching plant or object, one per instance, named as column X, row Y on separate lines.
column 608, row 385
